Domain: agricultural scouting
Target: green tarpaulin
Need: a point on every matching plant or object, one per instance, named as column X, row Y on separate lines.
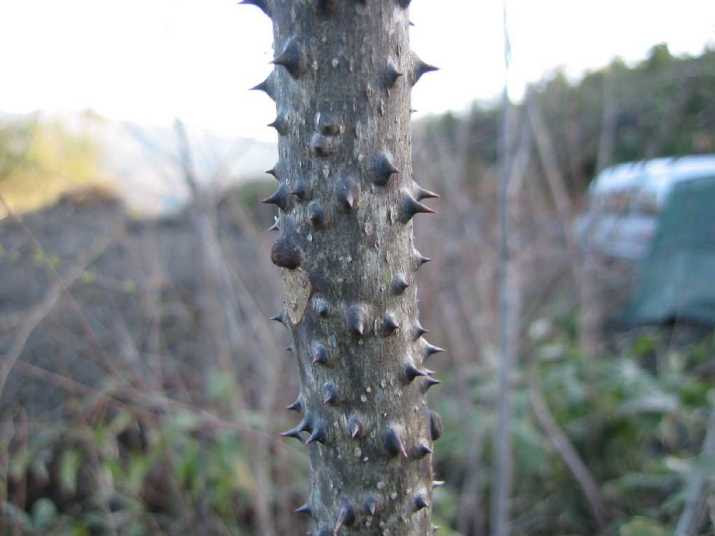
column 676, row 280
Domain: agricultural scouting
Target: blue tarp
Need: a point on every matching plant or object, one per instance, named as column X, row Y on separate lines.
column 676, row 280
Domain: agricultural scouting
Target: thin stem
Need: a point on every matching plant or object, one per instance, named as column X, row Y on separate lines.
column 502, row 444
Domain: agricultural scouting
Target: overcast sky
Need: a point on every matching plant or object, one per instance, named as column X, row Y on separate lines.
column 152, row 60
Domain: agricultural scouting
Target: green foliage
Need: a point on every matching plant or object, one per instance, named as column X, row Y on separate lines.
column 641, row 526
column 636, row 418
column 663, row 106
column 15, row 141
column 129, row 476
column 39, row 160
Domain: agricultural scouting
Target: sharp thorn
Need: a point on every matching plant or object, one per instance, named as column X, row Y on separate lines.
column 295, row 432
column 431, row 349
column 422, row 450
column 392, row 74
column 424, row 193
column 316, row 215
column 290, row 58
column 428, row 383
column 279, row 198
column 355, row 427
column 327, row 7
column 266, row 86
column 421, row 68
column 420, row 502
column 419, row 330
column 261, row 4
column 274, row 173
column 320, row 354
column 317, row 435
column 346, row 517
column 304, row 509
column 384, row 169
column 321, row 306
column 347, row 192
column 299, row 190
column 281, row 318
column 389, row 324
column 412, row 372
column 280, row 123
column 411, row 207
column 393, row 443
column 421, row 259
column 297, row 405
column 372, row 505
column 399, row 284
column 356, row 321
column 330, row 394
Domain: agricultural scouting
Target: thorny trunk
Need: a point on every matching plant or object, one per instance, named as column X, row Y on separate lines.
column 342, row 85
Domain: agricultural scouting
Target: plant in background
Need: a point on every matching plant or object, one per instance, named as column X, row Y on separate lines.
column 47, row 152
column 342, row 83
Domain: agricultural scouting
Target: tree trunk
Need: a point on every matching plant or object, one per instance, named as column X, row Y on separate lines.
column 342, row 85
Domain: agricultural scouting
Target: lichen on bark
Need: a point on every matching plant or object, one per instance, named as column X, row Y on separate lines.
column 342, row 81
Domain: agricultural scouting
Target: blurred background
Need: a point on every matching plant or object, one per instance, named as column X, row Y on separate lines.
column 142, row 387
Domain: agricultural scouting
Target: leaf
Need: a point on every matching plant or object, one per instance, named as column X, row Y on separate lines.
column 642, row 526
column 644, row 345
column 20, row 462
column 654, row 402
column 44, row 512
column 138, row 468
column 80, row 530
column 185, row 421
column 69, row 467
column 219, row 385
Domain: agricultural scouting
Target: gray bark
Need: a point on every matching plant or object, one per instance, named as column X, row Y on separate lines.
column 342, row 82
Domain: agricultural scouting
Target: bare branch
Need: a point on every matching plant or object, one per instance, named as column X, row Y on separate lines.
column 45, row 307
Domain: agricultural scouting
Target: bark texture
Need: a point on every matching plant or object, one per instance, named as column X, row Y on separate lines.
column 342, row 82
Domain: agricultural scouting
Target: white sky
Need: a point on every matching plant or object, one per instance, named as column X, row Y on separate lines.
column 152, row 60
